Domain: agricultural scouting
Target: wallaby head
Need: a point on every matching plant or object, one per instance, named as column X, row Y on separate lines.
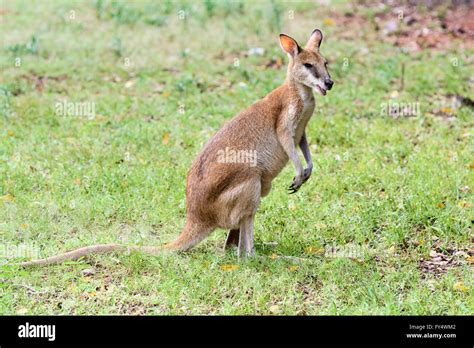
column 307, row 65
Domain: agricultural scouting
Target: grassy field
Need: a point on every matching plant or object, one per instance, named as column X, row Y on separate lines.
column 384, row 225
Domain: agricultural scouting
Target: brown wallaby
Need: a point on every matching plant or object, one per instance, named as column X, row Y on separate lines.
column 237, row 165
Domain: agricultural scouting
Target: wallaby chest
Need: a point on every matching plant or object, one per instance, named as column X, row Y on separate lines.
column 305, row 109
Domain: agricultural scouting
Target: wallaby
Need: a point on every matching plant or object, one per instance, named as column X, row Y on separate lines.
column 237, row 165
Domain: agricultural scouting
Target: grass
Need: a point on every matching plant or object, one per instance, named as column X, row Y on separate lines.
column 162, row 79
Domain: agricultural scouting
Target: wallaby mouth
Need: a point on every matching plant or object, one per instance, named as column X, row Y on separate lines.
column 321, row 90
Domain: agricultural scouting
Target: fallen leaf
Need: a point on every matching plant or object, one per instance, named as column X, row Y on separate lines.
column 431, row 285
column 321, row 226
column 314, row 250
column 391, row 250
column 447, row 110
column 291, row 206
column 92, row 294
column 329, row 21
column 129, row 83
column 229, row 267
column 22, row 310
column 274, row 309
column 459, row 286
column 7, row 198
column 158, row 87
column 419, row 242
column 166, row 138
column 87, row 272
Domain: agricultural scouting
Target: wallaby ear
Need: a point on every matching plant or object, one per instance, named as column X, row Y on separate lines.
column 315, row 40
column 289, row 45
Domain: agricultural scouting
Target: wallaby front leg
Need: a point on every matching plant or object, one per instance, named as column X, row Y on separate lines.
column 288, row 143
column 307, row 157
column 246, row 238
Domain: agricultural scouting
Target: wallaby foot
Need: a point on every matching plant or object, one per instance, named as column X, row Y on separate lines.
column 232, row 239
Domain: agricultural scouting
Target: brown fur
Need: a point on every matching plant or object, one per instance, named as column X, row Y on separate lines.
column 226, row 195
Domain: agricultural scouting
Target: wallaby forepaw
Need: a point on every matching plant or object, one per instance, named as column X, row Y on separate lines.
column 295, row 185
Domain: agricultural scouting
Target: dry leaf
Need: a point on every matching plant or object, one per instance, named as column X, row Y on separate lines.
column 274, row 309
column 166, row 138
column 320, row 226
column 229, row 267
column 291, row 206
column 129, row 83
column 392, row 250
column 329, row 21
column 87, row 272
column 22, row 310
column 157, row 87
column 459, row 286
column 464, row 204
column 447, row 110
column 7, row 198
column 92, row 294
column 314, row 250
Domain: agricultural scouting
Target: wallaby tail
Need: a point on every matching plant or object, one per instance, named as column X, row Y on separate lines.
column 189, row 237
column 73, row 254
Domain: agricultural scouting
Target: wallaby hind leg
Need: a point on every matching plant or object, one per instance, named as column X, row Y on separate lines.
column 232, row 239
column 246, row 247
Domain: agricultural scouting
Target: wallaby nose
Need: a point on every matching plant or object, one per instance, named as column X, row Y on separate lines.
column 328, row 83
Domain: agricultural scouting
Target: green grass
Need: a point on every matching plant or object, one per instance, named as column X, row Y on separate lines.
column 389, row 186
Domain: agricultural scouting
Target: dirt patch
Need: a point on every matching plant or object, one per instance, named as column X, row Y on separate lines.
column 40, row 81
column 412, row 27
column 440, row 260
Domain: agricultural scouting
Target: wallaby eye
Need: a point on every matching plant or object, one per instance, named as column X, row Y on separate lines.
column 307, row 65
